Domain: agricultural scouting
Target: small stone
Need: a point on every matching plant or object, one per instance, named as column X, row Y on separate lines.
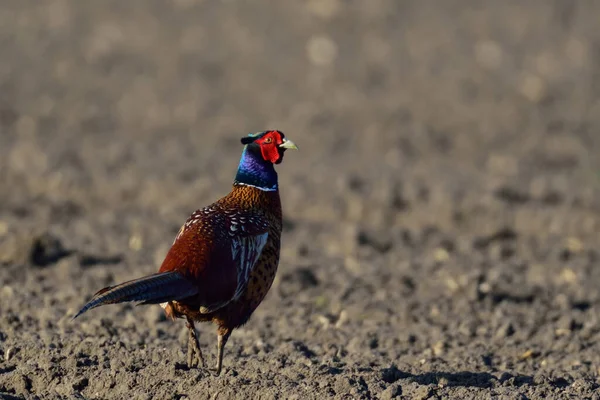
column 439, row 348
column 9, row 353
column 441, row 255
column 7, row 291
column 506, row 330
column 352, row 265
column 325, row 321
column 452, row 284
column 321, row 50
column 568, row 275
column 527, row 354
column 574, row 245
column 533, row 88
column 484, row 288
column 321, row 301
column 342, row 319
column 136, row 242
column 443, row 382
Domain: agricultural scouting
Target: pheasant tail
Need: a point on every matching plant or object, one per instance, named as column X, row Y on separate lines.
column 152, row 289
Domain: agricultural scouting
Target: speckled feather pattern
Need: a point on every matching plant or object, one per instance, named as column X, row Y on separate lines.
column 230, row 250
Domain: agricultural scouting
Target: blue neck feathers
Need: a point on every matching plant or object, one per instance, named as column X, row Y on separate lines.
column 255, row 171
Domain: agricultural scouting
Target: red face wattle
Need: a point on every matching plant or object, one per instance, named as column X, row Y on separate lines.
column 269, row 146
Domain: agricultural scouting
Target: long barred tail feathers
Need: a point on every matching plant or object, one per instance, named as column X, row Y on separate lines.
column 152, row 289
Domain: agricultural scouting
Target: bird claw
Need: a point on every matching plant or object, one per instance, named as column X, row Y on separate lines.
column 195, row 361
column 194, row 354
column 194, row 357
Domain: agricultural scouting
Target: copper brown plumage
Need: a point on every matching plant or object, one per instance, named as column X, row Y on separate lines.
column 224, row 258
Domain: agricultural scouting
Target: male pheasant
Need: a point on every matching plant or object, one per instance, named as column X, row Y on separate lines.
column 224, row 258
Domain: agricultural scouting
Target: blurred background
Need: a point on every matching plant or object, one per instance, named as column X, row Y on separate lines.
column 444, row 202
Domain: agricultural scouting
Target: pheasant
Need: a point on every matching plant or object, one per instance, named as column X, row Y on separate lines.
column 224, row 258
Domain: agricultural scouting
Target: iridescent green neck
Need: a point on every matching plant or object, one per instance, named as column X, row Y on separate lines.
column 255, row 171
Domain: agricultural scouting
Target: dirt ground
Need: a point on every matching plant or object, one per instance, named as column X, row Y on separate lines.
column 442, row 217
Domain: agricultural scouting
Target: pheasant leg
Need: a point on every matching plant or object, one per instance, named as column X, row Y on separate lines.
column 194, row 354
column 222, row 339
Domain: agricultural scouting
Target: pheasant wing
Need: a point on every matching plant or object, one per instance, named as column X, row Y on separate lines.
column 217, row 249
column 246, row 250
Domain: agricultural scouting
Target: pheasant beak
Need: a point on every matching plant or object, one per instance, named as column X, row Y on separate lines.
column 288, row 144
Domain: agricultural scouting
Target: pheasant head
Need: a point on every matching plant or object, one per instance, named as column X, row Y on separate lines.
column 261, row 151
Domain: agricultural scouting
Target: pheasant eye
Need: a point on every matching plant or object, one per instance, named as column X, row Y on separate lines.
column 268, row 140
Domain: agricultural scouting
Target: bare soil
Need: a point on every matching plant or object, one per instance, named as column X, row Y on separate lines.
column 442, row 217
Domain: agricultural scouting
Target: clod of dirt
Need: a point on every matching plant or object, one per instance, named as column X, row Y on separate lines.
column 47, row 249
column 355, row 183
column 80, row 384
column 505, row 331
column 299, row 348
column 398, row 200
column 391, row 392
column 288, row 225
column 379, row 241
column 512, row 196
column 21, row 383
column 304, row 276
column 552, row 198
column 504, row 234
column 297, row 281
column 9, row 353
column 392, row 374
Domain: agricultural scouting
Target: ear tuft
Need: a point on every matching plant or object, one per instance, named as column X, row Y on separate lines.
column 247, row 140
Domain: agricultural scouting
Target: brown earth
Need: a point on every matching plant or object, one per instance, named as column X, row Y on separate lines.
column 442, row 233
